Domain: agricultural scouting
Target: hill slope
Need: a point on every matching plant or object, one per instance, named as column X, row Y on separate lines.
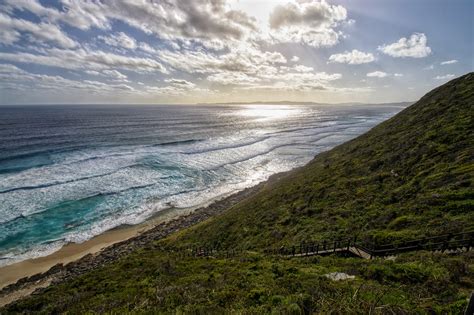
column 409, row 176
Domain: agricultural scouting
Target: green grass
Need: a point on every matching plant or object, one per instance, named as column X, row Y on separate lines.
column 409, row 177
column 153, row 280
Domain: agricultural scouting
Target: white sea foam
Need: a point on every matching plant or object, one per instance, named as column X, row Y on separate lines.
column 206, row 155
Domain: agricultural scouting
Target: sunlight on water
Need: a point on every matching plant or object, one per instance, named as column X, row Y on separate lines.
column 65, row 181
column 268, row 112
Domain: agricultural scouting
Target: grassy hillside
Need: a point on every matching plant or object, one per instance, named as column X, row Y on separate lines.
column 409, row 176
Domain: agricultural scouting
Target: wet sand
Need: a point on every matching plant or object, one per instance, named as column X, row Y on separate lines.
column 23, row 278
column 71, row 252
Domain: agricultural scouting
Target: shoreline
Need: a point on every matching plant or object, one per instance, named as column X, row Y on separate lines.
column 71, row 252
column 25, row 277
column 68, row 253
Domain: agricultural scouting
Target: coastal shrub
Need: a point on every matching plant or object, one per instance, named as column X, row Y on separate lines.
column 409, row 177
column 401, row 222
column 405, row 273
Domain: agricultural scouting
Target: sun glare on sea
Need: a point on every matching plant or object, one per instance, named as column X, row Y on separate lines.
column 268, row 112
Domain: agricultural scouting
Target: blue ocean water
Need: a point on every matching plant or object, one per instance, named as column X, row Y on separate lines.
column 68, row 173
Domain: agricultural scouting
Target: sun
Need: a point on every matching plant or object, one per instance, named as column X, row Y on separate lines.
column 259, row 9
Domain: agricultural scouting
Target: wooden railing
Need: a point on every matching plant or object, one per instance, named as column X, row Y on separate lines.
column 441, row 243
column 351, row 246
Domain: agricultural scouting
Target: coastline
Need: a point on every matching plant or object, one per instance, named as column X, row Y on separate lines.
column 68, row 253
column 23, row 278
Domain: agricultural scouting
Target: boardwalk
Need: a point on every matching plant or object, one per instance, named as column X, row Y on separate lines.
column 446, row 243
column 442, row 243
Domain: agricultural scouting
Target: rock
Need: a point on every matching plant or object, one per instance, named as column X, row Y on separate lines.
column 337, row 276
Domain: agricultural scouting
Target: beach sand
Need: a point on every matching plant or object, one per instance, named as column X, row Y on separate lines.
column 70, row 252
column 21, row 279
column 73, row 251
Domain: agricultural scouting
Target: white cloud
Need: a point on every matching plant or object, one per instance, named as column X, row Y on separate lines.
column 312, row 13
column 309, row 22
column 176, row 88
column 445, row 77
column 147, row 48
column 430, row 67
column 85, row 60
column 233, row 78
column 398, row 75
column 16, row 77
column 295, row 59
column 246, row 59
column 115, row 75
column 449, row 62
column 377, row 74
column 204, row 41
column 8, row 68
column 82, row 15
column 120, row 39
column 92, row 72
column 172, row 19
column 353, row 57
column 12, row 30
column 301, row 68
column 414, row 47
column 180, row 83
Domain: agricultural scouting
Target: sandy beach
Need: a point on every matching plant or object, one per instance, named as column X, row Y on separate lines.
column 70, row 252
column 73, row 251
column 23, row 278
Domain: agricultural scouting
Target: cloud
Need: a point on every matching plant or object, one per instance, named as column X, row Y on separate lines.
column 180, row 83
column 244, row 58
column 110, row 74
column 92, row 72
column 353, row 57
column 430, row 67
column 176, row 88
column 377, row 74
column 120, row 40
column 287, row 80
column 414, row 47
column 147, row 48
column 398, row 75
column 301, row 68
column 172, row 19
column 312, row 13
column 114, row 74
column 79, row 14
column 449, row 62
column 85, row 60
column 444, row 77
column 15, row 29
column 248, row 67
column 8, row 68
column 233, row 78
column 207, row 42
column 21, row 79
column 309, row 22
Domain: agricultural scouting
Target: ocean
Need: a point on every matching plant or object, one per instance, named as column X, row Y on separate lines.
column 71, row 172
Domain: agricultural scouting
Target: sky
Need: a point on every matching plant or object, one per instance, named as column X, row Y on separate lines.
column 194, row 51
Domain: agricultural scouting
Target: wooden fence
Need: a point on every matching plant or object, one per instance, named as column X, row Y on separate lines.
column 442, row 243
column 351, row 247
